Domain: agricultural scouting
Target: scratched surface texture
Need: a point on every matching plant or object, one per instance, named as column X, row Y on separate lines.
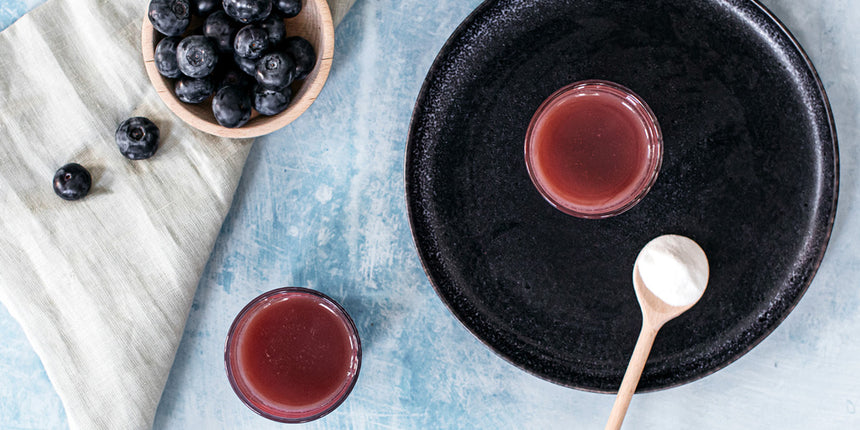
column 321, row 205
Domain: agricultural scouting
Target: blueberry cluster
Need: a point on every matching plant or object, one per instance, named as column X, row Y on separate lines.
column 240, row 57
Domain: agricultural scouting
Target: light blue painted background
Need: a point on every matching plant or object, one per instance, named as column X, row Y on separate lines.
column 321, row 205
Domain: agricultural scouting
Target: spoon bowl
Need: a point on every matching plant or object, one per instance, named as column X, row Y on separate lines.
column 654, row 309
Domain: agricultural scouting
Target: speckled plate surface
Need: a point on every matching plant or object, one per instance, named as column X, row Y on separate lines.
column 750, row 171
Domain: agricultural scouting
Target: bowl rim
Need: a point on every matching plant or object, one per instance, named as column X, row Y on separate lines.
column 315, row 82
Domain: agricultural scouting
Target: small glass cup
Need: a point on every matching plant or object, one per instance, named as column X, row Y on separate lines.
column 653, row 154
column 269, row 408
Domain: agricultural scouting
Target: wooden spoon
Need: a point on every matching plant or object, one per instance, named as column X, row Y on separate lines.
column 655, row 313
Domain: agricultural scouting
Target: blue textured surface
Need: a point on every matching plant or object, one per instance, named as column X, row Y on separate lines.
column 321, row 205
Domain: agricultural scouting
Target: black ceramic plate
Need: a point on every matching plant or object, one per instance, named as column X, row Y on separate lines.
column 749, row 172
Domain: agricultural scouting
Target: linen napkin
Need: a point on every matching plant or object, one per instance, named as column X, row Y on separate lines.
column 102, row 286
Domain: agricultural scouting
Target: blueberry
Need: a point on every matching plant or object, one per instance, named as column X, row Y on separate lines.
column 194, row 90
column 303, row 54
column 234, row 76
column 248, row 11
column 72, row 182
column 251, row 41
column 271, row 102
column 203, row 8
column 222, row 29
column 170, row 17
column 232, row 106
column 137, row 138
column 289, row 8
column 246, row 65
column 165, row 57
column 197, row 56
column 276, row 70
column 275, row 29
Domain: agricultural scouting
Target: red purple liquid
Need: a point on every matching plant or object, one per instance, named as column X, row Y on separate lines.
column 591, row 149
column 293, row 355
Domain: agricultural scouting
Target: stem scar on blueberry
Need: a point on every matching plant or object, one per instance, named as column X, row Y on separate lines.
column 179, row 8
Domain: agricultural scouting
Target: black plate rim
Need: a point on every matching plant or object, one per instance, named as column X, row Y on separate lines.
column 423, row 257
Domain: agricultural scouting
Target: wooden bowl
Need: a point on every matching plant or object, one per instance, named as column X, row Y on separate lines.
column 313, row 23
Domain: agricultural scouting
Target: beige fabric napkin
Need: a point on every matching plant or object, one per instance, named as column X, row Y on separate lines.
column 102, row 286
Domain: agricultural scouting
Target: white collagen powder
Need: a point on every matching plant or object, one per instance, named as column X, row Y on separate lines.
column 674, row 268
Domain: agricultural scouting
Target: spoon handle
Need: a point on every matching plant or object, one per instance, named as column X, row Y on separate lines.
column 632, row 375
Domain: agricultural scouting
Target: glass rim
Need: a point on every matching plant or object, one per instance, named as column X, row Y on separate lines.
column 654, row 137
column 312, row 413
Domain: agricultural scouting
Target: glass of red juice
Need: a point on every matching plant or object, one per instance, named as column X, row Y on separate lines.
column 593, row 149
column 292, row 355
